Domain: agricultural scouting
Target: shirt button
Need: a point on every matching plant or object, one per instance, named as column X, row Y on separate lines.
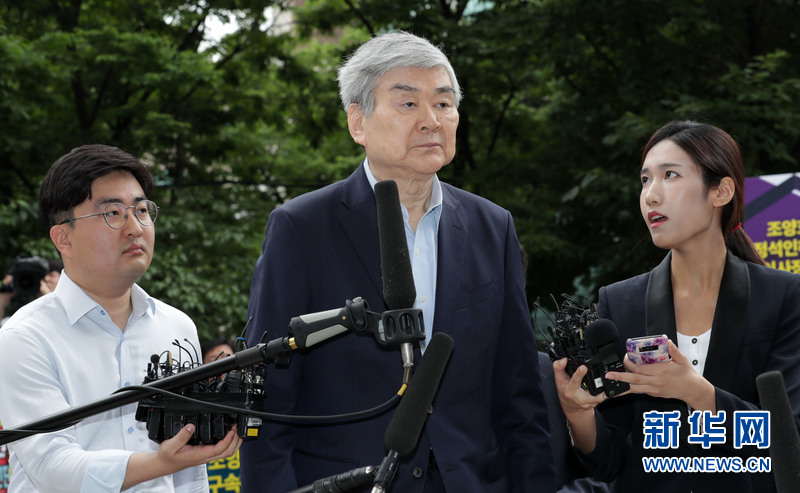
column 417, row 251
column 417, row 472
column 422, row 299
column 127, row 384
column 130, row 429
column 694, row 362
column 694, row 340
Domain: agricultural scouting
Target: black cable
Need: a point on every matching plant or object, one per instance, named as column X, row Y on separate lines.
column 275, row 417
column 236, row 410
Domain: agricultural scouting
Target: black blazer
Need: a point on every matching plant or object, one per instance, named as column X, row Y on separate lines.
column 488, row 425
column 756, row 329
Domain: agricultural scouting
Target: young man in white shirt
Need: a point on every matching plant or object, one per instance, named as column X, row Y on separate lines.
column 93, row 335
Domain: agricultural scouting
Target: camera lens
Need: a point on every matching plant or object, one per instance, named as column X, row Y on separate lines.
column 27, row 282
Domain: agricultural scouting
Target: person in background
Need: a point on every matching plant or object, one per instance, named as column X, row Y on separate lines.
column 728, row 317
column 216, row 348
column 486, row 430
column 93, row 335
column 11, row 297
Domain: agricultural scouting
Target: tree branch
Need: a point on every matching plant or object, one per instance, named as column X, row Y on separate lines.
column 361, row 17
column 501, row 118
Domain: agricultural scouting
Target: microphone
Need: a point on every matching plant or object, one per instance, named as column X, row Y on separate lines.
column 404, row 429
column 601, row 339
column 785, row 442
column 398, row 279
column 340, row 483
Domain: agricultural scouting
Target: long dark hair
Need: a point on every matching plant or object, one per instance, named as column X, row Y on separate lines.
column 717, row 155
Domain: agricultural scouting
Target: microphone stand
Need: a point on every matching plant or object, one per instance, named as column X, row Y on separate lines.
column 388, row 328
column 261, row 353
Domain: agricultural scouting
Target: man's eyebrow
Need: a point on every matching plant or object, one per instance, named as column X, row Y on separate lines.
column 116, row 200
column 403, row 87
column 407, row 88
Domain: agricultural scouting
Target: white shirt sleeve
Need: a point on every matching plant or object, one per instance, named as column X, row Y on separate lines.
column 191, row 480
column 56, row 460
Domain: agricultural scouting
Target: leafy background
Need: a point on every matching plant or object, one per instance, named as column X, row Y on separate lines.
column 560, row 96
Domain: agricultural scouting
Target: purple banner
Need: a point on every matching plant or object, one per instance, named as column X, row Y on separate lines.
column 772, row 218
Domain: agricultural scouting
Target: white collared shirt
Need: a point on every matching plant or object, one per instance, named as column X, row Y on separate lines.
column 62, row 350
column 695, row 348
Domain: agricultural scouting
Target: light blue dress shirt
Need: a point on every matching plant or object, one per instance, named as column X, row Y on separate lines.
column 423, row 253
column 63, row 350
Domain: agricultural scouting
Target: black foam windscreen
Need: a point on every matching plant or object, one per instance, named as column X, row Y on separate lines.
column 599, row 333
column 406, row 425
column 784, row 446
column 398, row 278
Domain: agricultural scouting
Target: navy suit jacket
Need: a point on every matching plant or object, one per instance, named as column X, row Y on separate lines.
column 571, row 474
column 756, row 329
column 488, row 422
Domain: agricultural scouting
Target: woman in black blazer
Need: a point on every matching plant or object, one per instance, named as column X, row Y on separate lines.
column 732, row 317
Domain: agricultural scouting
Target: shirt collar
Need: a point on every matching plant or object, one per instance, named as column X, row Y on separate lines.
column 78, row 303
column 436, row 189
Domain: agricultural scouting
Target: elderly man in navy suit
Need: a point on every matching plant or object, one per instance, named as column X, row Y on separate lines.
column 487, row 429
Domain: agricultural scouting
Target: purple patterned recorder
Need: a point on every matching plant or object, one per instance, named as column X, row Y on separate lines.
column 648, row 349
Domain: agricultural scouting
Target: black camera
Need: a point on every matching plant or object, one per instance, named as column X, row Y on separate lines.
column 27, row 274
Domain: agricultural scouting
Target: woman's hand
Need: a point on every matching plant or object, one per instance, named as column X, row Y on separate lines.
column 673, row 379
column 574, row 398
column 578, row 405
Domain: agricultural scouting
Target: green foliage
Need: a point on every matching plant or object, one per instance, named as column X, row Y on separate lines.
column 560, row 97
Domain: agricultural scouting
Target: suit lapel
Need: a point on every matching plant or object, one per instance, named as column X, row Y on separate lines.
column 451, row 254
column 730, row 316
column 659, row 305
column 360, row 224
column 730, row 323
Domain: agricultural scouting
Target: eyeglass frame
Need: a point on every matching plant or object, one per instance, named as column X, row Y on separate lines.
column 126, row 207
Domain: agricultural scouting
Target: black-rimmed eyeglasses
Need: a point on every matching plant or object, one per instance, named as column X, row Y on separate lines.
column 116, row 214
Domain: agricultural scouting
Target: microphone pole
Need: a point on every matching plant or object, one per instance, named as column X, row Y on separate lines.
column 262, row 353
column 305, row 331
column 341, row 483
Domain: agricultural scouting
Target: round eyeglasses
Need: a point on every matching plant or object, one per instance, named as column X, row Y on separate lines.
column 116, row 214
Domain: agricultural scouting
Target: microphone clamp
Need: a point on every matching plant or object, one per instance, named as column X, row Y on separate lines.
column 390, row 328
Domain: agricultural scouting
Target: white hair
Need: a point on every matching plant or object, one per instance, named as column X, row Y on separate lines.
column 360, row 74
